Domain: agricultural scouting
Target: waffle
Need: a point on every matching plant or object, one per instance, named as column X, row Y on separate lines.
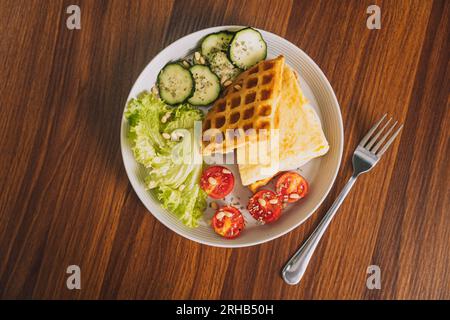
column 258, row 184
column 247, row 105
column 301, row 137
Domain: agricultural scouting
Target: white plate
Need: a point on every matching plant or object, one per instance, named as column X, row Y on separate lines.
column 320, row 172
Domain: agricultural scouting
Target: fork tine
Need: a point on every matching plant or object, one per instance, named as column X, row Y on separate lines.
column 371, row 131
column 375, row 138
column 379, row 143
column 388, row 143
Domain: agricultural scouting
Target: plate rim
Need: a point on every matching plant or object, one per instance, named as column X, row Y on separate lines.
column 225, row 244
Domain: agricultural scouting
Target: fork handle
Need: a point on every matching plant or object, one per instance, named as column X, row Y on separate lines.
column 296, row 266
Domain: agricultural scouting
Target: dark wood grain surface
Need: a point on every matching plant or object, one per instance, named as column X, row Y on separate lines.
column 65, row 198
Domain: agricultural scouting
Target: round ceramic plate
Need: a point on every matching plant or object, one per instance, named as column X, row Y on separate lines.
column 320, row 172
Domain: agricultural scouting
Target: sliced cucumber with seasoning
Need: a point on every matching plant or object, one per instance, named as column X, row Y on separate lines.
column 247, row 48
column 222, row 66
column 207, row 86
column 176, row 83
column 215, row 42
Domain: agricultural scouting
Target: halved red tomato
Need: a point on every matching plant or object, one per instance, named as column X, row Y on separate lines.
column 265, row 206
column 291, row 187
column 217, row 181
column 228, row 222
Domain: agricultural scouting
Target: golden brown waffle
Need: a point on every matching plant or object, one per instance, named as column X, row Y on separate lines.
column 301, row 137
column 258, row 184
column 248, row 104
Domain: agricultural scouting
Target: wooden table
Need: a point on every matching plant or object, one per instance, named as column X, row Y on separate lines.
column 65, row 198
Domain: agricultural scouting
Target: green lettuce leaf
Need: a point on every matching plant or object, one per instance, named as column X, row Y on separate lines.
column 173, row 167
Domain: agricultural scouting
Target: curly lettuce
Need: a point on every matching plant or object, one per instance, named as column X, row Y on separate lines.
column 173, row 166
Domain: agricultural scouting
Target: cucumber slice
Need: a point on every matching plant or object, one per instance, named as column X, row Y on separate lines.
column 207, row 86
column 247, row 48
column 176, row 83
column 222, row 66
column 214, row 42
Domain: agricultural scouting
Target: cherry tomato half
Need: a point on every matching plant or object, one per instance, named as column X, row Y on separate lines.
column 291, row 187
column 217, row 181
column 265, row 206
column 228, row 222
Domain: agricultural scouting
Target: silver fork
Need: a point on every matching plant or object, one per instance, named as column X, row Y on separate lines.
column 365, row 157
